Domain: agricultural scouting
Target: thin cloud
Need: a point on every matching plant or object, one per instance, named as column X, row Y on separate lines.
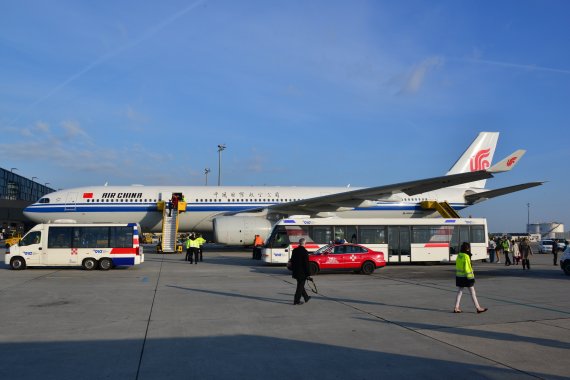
column 105, row 57
column 513, row 65
column 416, row 78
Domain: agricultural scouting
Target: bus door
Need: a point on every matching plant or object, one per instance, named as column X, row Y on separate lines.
column 399, row 245
column 59, row 244
column 31, row 247
column 460, row 235
column 70, row 201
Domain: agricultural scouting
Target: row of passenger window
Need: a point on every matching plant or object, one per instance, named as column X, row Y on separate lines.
column 197, row 200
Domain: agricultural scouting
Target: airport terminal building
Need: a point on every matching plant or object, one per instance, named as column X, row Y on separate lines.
column 17, row 192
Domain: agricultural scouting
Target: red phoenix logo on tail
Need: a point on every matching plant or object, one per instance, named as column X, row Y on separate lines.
column 511, row 161
column 479, row 162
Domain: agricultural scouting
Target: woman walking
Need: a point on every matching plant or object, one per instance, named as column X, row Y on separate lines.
column 464, row 278
column 516, row 252
column 526, row 252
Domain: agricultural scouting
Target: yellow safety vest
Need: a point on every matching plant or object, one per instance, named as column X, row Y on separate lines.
column 463, row 266
column 192, row 243
column 201, row 241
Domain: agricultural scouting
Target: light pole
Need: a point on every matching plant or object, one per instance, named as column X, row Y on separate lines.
column 528, row 218
column 33, row 178
column 206, row 171
column 46, row 184
column 220, row 148
column 12, row 170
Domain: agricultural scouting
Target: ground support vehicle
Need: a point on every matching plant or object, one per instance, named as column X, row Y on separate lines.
column 100, row 245
column 403, row 240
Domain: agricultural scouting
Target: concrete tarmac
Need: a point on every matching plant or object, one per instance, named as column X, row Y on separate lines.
column 230, row 317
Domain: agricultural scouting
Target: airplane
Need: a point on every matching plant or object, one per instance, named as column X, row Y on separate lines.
column 235, row 214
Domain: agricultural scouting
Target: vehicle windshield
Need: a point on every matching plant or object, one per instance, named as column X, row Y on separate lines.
column 325, row 249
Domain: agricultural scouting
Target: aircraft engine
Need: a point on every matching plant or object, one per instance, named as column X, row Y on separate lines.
column 240, row 230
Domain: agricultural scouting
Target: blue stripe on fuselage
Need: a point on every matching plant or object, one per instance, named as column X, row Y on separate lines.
column 198, row 207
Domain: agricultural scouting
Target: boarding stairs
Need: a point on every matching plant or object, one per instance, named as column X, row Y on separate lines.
column 168, row 243
column 444, row 209
column 169, row 231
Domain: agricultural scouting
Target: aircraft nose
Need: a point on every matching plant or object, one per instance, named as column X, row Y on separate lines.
column 29, row 212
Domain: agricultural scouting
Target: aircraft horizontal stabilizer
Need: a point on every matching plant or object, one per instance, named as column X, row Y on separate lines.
column 507, row 163
column 477, row 197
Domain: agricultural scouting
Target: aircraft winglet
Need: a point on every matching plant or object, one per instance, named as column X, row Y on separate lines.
column 507, row 163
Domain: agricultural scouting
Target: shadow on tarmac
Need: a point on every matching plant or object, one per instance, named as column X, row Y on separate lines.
column 231, row 357
column 494, row 335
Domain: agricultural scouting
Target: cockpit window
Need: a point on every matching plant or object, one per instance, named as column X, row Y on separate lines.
column 44, row 200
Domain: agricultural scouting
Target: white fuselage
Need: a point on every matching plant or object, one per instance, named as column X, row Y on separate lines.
column 138, row 204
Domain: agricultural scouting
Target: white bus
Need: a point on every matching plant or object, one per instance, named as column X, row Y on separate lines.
column 401, row 240
column 91, row 246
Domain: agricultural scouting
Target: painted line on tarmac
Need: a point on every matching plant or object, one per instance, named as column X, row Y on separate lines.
column 418, row 332
column 428, row 285
column 149, row 318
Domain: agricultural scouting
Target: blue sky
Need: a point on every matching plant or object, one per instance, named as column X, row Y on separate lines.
column 302, row 93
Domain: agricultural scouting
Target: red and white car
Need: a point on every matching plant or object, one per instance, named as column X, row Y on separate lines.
column 346, row 256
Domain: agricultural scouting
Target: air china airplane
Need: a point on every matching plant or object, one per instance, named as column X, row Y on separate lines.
column 236, row 213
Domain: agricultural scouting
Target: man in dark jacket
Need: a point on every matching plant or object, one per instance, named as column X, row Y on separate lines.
column 300, row 268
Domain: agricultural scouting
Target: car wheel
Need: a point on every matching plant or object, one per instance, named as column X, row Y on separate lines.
column 368, row 267
column 105, row 264
column 566, row 267
column 18, row 263
column 89, row 264
column 313, row 268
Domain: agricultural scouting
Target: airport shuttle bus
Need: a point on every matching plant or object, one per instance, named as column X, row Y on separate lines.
column 401, row 240
column 91, row 246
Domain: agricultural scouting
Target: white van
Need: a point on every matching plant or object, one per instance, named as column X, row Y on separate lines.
column 91, row 246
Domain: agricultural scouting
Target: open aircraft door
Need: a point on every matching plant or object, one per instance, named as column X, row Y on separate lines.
column 70, row 202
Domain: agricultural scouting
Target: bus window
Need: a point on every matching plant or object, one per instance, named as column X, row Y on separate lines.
column 477, row 234
column 59, row 237
column 339, row 233
column 321, row 234
column 121, row 237
column 460, row 235
column 372, row 235
column 431, row 234
column 351, row 234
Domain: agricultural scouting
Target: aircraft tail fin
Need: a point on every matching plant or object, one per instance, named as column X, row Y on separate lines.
column 478, row 156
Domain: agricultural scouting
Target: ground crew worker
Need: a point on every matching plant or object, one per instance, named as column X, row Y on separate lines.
column 201, row 242
column 189, row 252
column 465, row 278
column 194, row 248
column 257, row 244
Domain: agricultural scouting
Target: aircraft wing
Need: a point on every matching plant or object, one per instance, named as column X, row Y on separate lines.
column 354, row 198
column 484, row 195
